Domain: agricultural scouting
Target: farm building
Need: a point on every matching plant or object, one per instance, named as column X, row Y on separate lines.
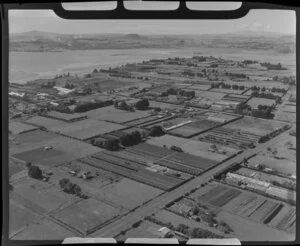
column 163, row 232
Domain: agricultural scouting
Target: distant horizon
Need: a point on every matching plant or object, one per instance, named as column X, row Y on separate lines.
column 154, row 34
column 269, row 21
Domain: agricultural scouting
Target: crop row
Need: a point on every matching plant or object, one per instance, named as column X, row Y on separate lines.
column 179, row 167
column 153, row 179
column 225, row 198
column 288, row 220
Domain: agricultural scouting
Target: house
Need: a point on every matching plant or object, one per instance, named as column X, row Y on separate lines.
column 184, row 209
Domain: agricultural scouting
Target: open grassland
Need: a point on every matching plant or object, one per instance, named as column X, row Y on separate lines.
column 281, row 156
column 40, row 196
column 69, row 149
column 86, row 214
column 146, row 229
column 254, row 102
column 19, row 127
column 127, row 194
column 112, row 114
column 19, row 217
column 87, row 128
column 255, row 125
column 43, row 230
column 192, row 147
column 194, row 128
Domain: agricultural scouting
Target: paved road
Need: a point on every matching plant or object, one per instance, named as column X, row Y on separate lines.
column 158, row 203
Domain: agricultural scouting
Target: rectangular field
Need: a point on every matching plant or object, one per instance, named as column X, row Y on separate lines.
column 19, row 127
column 193, row 147
column 69, row 149
column 127, row 193
column 86, row 214
column 66, row 117
column 112, row 114
column 43, row 230
column 255, row 126
column 186, row 163
column 254, row 102
column 87, row 128
column 194, row 128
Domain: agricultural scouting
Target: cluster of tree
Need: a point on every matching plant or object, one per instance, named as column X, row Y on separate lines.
column 69, row 86
column 249, row 62
column 62, row 75
column 263, row 89
column 237, row 75
column 130, row 139
column 50, row 84
column 142, row 104
column 69, row 187
column 121, row 104
column 265, row 113
column 214, row 65
column 34, row 171
column 92, row 105
column 227, row 86
column 242, row 108
column 287, row 80
column 176, row 148
column 136, row 224
column 285, row 184
column 266, row 95
column 156, row 131
column 87, row 76
column 271, row 66
column 61, row 107
column 199, row 58
column 178, row 91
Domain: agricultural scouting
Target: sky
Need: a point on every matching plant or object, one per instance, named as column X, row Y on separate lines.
column 280, row 21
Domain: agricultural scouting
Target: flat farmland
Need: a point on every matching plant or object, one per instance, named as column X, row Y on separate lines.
column 148, row 120
column 146, row 229
column 255, row 125
column 200, row 102
column 281, row 156
column 194, row 128
column 192, row 147
column 171, row 124
column 14, row 168
column 72, row 149
column 43, row 230
column 127, row 193
column 167, row 216
column 45, row 122
column 235, row 97
column 66, row 117
column 211, row 95
column 151, row 150
column 41, row 196
column 19, row 127
column 247, row 230
column 87, row 128
column 228, row 91
column 132, row 169
column 19, row 217
column 86, row 214
column 162, row 105
column 284, row 166
column 255, row 101
column 187, row 163
column 37, row 155
column 203, row 87
column 112, row 114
